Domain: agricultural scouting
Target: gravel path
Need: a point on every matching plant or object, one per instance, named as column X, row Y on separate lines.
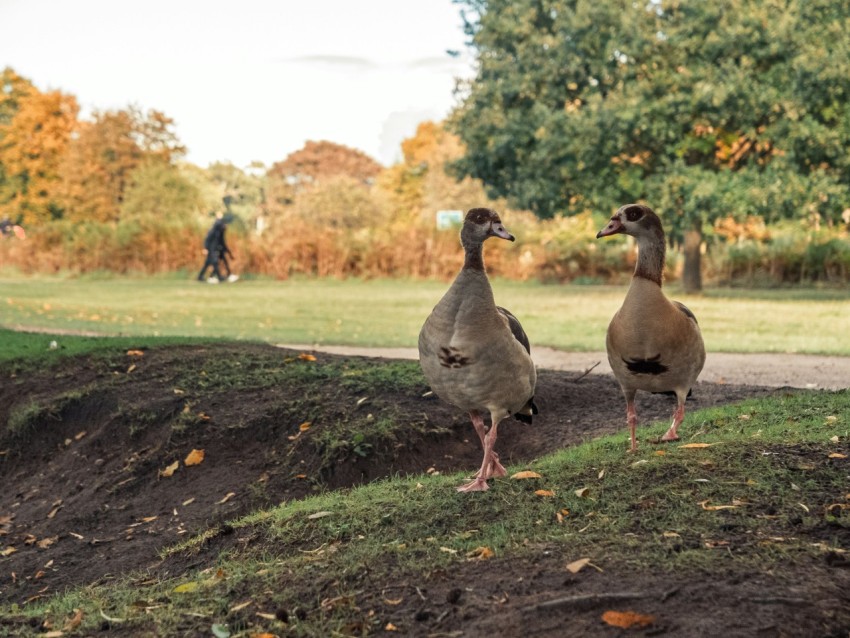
column 773, row 370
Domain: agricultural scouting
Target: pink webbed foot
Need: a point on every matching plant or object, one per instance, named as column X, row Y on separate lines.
column 476, row 485
column 496, row 469
column 670, row 436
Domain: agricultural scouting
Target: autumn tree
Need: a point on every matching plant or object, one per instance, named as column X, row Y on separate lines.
column 315, row 162
column 34, row 136
column 158, row 191
column 105, row 153
column 420, row 184
column 699, row 108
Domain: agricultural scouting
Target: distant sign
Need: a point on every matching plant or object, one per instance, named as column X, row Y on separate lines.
column 448, row 219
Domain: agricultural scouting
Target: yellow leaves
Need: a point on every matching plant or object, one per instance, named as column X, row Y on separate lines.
column 695, row 446
column 170, row 470
column 480, row 553
column 135, row 353
column 8, row 551
column 836, row 455
column 74, row 621
column 525, row 474
column 546, row 493
column 390, row 627
column 186, row 588
column 627, row 619
column 195, row 457
column 306, row 357
column 305, row 426
column 583, row 492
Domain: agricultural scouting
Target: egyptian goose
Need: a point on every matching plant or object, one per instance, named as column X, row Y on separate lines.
column 476, row 355
column 653, row 344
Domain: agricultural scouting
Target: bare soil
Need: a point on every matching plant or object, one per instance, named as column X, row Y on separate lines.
column 83, row 499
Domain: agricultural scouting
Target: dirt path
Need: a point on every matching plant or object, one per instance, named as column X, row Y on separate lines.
column 773, row 370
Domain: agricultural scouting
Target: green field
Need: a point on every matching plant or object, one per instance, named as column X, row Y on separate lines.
column 390, row 312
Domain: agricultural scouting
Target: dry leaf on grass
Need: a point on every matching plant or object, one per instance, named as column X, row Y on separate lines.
column 135, row 353
column 195, row 457
column 226, row 498
column 525, row 474
column 75, row 621
column 836, row 455
column 8, row 551
column 171, row 469
column 305, row 426
column 390, row 627
column 185, row 588
column 695, row 446
column 714, row 508
column 583, row 492
column 627, row 619
column 547, row 493
column 306, row 357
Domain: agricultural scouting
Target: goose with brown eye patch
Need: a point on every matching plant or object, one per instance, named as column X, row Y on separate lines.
column 474, row 354
column 653, row 344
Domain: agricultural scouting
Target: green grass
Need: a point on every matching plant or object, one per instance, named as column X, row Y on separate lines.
column 388, row 532
column 391, row 312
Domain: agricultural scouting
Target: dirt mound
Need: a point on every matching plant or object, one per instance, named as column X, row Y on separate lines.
column 87, row 445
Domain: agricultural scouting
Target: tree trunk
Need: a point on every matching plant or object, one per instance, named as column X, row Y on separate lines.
column 692, row 272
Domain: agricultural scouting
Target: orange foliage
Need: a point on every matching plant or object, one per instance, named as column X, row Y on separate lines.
column 31, row 151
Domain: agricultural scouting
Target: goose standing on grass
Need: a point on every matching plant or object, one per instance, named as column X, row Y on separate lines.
column 653, row 344
column 476, row 355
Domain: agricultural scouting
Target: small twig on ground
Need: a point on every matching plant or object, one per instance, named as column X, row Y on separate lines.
column 586, row 372
column 589, row 600
column 669, row 593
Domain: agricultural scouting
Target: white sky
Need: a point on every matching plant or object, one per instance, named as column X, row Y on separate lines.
column 249, row 79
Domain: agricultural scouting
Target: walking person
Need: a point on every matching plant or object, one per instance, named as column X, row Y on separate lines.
column 216, row 251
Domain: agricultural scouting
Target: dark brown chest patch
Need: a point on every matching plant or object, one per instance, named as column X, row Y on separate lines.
column 652, row 365
column 452, row 358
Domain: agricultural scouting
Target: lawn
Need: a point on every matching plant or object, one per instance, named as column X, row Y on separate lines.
column 390, row 312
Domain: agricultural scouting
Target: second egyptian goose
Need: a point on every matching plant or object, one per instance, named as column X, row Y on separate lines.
column 474, row 354
column 653, row 344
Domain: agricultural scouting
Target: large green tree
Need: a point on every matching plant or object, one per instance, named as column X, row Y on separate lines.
column 703, row 109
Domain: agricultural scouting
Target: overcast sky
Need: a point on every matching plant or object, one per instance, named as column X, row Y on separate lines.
column 253, row 79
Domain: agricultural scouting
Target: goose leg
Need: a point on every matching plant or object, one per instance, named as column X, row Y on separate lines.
column 631, row 419
column 495, row 468
column 678, row 416
column 479, row 483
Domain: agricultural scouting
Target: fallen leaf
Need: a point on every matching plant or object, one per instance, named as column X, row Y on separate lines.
column 188, row 501
column 390, row 627
column 448, row 550
column 695, row 446
column 714, row 508
column 52, row 634
column 582, row 493
column 226, row 498
column 195, row 457
column 710, row 544
column 8, row 551
column 601, row 474
column 525, row 474
column 306, row 357
column 836, row 455
column 267, row 617
column 44, row 543
column 577, row 565
column 79, row 435
column 835, row 439
column 135, row 353
column 627, row 619
column 671, row 535
column 393, row 601
column 171, row 469
column 831, row 418
column 480, row 553
column 660, row 452
column 241, row 605
column 641, row 462
column 185, row 588
column 75, row 621
column 300, row 476
column 305, row 426
column 544, row 492
column 131, row 368
column 316, row 515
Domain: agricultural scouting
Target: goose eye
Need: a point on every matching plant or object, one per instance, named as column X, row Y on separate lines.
column 633, row 213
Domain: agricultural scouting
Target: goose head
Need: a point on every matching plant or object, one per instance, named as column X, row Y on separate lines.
column 480, row 224
column 636, row 220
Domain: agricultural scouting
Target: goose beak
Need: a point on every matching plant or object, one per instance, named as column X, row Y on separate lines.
column 614, row 226
column 497, row 230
